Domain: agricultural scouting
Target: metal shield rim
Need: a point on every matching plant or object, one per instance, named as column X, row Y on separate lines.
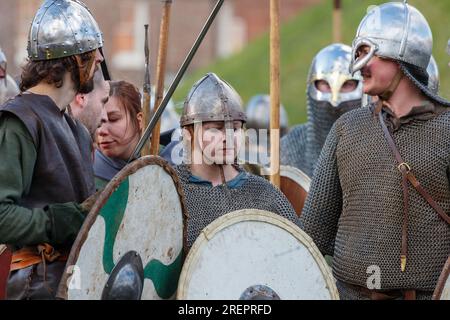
column 297, row 175
column 128, row 170
column 442, row 280
column 252, row 215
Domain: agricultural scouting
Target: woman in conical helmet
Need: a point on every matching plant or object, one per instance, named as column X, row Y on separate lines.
column 213, row 183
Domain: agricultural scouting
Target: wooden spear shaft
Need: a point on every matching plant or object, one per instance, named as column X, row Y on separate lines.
column 337, row 21
column 160, row 72
column 275, row 92
column 147, row 91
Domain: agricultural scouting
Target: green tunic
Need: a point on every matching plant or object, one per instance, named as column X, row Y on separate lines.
column 55, row 224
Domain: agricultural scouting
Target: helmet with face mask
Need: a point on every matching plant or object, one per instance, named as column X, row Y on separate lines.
column 324, row 108
column 331, row 65
column 399, row 32
column 63, row 28
column 302, row 145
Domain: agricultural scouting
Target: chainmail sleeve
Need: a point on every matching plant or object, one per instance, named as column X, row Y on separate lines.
column 323, row 205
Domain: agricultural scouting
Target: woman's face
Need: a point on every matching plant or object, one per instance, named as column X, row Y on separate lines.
column 117, row 135
column 218, row 144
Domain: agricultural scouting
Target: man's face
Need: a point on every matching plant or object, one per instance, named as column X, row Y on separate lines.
column 94, row 103
column 378, row 73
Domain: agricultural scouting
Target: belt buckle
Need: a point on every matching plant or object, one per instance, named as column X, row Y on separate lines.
column 405, row 166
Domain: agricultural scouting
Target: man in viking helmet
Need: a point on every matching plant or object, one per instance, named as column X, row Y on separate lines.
column 213, row 184
column 331, row 91
column 8, row 87
column 379, row 201
column 45, row 167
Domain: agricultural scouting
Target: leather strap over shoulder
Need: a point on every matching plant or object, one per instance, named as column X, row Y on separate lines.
column 403, row 167
column 407, row 175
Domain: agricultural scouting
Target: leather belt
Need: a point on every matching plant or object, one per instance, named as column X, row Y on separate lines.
column 29, row 256
column 409, row 294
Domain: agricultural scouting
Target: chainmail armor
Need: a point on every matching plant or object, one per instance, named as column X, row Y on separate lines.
column 349, row 293
column 301, row 147
column 205, row 203
column 354, row 209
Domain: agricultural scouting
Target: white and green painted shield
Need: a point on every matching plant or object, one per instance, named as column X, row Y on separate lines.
column 442, row 291
column 140, row 210
column 254, row 255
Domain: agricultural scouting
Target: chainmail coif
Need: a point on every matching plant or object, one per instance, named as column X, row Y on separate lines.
column 301, row 147
column 354, row 209
column 205, row 203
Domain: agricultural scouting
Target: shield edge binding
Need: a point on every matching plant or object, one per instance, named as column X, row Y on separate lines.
column 442, row 280
column 297, row 175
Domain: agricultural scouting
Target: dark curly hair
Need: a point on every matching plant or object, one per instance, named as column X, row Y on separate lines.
column 51, row 71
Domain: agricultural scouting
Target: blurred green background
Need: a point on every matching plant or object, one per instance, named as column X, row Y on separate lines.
column 301, row 39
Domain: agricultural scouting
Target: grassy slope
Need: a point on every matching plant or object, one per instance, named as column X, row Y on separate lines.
column 301, row 39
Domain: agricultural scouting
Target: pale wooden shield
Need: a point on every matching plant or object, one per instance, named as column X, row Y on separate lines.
column 251, row 249
column 142, row 210
column 442, row 291
column 295, row 184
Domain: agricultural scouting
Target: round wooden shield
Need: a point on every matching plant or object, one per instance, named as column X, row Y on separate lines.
column 442, row 291
column 255, row 254
column 142, row 210
column 295, row 186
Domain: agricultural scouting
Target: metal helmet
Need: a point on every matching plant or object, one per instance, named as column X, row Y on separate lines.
column 3, row 65
column 332, row 65
column 8, row 89
column 258, row 113
column 3, row 61
column 396, row 31
column 433, row 75
column 62, row 28
column 212, row 99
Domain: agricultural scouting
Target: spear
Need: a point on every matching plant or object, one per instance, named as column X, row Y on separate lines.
column 176, row 81
column 146, row 90
column 275, row 92
column 337, row 21
column 160, row 70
